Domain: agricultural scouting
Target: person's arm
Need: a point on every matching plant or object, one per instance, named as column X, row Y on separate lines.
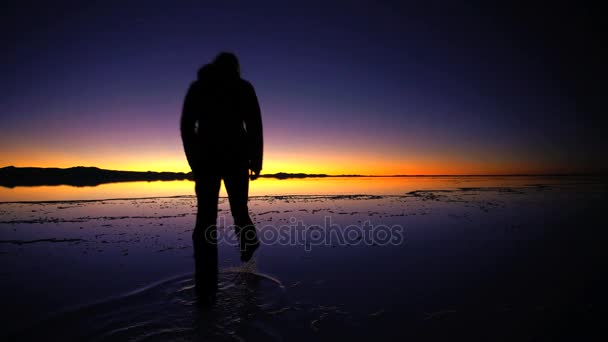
column 187, row 123
column 253, row 123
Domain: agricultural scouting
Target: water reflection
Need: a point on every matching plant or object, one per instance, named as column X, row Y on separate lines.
column 270, row 186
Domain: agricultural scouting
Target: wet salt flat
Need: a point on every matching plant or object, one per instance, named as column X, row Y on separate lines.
column 490, row 261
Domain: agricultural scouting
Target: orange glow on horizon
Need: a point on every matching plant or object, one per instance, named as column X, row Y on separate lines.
column 311, row 159
column 317, row 164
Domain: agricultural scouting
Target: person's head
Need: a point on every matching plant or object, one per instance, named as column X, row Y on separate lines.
column 206, row 72
column 227, row 64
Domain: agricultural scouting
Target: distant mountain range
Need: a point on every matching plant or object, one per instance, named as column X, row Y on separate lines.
column 11, row 176
column 91, row 176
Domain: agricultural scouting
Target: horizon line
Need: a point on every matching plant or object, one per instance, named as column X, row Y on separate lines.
column 312, row 175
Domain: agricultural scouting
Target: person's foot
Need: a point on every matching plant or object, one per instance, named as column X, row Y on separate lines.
column 249, row 243
column 248, row 251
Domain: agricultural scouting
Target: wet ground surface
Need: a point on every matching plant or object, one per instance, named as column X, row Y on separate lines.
column 494, row 263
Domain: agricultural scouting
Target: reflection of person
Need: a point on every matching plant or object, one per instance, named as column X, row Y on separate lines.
column 221, row 129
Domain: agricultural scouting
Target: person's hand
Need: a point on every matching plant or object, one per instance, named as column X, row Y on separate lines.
column 254, row 174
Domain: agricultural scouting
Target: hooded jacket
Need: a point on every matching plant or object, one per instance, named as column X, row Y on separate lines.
column 221, row 123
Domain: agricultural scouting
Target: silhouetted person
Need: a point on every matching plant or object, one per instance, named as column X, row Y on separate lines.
column 205, row 273
column 221, row 129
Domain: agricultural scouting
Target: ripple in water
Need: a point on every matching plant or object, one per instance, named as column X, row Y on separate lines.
column 187, row 307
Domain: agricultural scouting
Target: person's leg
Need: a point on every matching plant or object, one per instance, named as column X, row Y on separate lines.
column 207, row 190
column 237, row 186
column 205, row 273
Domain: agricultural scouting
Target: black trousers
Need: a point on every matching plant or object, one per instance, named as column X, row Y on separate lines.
column 207, row 188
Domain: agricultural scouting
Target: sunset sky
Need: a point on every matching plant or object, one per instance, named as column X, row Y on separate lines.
column 374, row 87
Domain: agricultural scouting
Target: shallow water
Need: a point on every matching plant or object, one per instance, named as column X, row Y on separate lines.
column 275, row 187
column 483, row 262
column 172, row 309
